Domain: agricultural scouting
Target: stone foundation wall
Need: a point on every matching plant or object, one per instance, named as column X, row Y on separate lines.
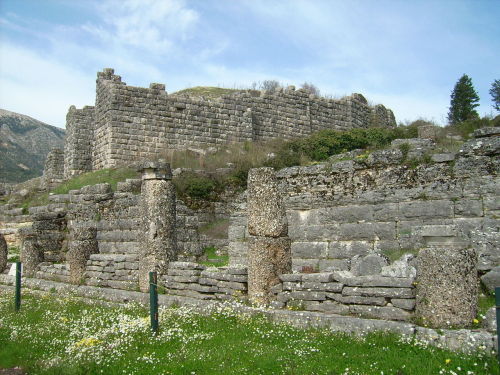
column 378, row 204
column 374, row 296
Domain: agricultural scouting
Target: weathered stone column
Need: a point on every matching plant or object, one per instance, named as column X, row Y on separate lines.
column 3, row 253
column 82, row 243
column 158, row 237
column 447, row 281
column 269, row 251
column 31, row 253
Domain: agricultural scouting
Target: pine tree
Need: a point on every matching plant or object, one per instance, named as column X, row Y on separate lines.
column 463, row 101
column 495, row 94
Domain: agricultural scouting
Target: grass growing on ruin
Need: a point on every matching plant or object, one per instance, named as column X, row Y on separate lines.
column 213, row 259
column 208, row 92
column 59, row 335
column 110, row 176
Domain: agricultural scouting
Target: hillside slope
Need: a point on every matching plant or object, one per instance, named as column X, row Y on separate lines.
column 24, row 145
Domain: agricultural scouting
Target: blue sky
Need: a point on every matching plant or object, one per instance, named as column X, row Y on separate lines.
column 407, row 55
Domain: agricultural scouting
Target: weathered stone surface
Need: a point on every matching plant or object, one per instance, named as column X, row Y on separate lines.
column 291, row 277
column 489, row 146
column 492, row 279
column 357, row 300
column 370, row 264
column 3, row 253
column 378, row 292
column 31, row 253
column 158, row 236
column 266, row 212
column 401, row 268
column 488, row 131
column 407, row 304
column 323, row 277
column 443, row 158
column 447, row 286
column 347, row 278
column 490, row 320
column 268, row 258
column 380, row 312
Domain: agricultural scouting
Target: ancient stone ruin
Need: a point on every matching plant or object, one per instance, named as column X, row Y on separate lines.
column 360, row 242
column 130, row 124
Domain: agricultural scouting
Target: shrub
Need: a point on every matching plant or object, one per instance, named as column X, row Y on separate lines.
column 195, row 186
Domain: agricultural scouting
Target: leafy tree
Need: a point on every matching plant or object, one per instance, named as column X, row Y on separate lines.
column 495, row 94
column 463, row 101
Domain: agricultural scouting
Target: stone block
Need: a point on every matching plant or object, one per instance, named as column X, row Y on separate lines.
column 309, row 249
column 323, row 277
column 380, row 312
column 447, row 286
column 349, row 249
column 308, row 296
column 347, row 278
column 357, row 300
column 443, row 158
column 430, row 209
column 367, row 231
column 406, row 304
column 491, row 279
column 379, row 292
column 297, row 277
column 330, row 265
column 370, row 264
column 319, row 286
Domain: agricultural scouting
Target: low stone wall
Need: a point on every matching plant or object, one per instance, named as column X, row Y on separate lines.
column 390, row 298
column 112, row 270
column 197, row 281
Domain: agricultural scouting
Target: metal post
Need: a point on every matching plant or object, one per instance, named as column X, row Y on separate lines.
column 153, row 301
column 18, row 286
column 497, row 300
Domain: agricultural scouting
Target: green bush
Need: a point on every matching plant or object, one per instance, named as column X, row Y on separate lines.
column 465, row 128
column 325, row 143
column 195, row 186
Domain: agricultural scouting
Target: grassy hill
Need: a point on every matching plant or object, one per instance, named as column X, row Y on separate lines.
column 209, row 92
column 24, row 145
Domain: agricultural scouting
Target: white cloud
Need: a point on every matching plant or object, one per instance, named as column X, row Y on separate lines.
column 144, row 24
column 41, row 87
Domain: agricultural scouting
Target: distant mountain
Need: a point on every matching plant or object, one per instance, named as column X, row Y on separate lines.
column 24, row 145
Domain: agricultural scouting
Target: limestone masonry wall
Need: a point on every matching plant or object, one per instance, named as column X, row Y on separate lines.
column 130, row 123
column 343, row 211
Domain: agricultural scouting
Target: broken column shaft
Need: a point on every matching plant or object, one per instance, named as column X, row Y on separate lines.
column 269, row 252
column 158, row 230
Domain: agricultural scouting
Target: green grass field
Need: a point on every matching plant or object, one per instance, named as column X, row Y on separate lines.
column 60, row 335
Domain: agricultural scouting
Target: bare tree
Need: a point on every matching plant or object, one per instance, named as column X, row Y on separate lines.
column 311, row 88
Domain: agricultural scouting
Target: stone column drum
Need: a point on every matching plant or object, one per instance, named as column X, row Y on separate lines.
column 31, row 254
column 158, row 230
column 83, row 243
column 447, row 286
column 3, row 253
column 269, row 251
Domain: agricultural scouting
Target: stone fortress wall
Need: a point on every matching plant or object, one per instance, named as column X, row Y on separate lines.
column 129, row 123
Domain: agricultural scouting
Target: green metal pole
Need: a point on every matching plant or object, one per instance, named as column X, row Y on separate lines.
column 497, row 300
column 153, row 301
column 18, row 286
